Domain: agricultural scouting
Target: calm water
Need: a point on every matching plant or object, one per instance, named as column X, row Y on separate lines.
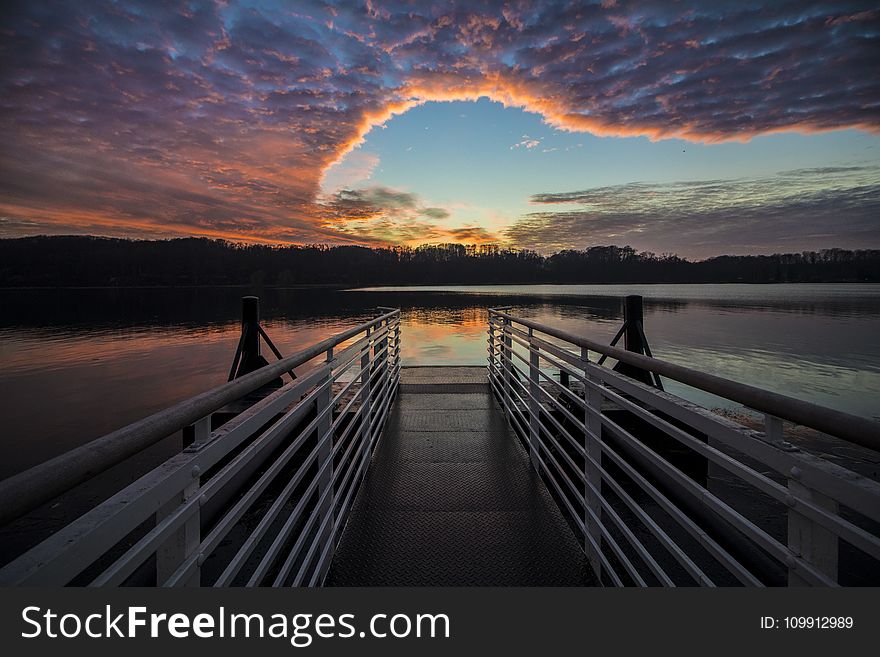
column 75, row 364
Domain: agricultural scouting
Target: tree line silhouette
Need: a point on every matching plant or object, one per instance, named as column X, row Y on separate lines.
column 98, row 261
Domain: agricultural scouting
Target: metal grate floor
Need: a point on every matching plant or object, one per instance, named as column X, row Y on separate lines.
column 450, row 499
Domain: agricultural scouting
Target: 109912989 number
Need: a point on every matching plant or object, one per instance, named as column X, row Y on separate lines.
column 808, row 623
column 818, row 622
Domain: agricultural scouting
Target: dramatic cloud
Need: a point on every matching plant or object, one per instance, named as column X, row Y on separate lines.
column 219, row 118
column 792, row 210
column 380, row 215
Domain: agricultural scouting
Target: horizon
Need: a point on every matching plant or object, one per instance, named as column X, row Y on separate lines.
column 428, row 245
column 685, row 129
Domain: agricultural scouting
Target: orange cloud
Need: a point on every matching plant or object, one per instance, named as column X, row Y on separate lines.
column 223, row 120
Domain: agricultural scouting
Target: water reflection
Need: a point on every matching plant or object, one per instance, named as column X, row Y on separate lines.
column 75, row 364
column 854, row 299
column 443, row 335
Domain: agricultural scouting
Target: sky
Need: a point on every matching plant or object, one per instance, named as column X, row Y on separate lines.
column 674, row 127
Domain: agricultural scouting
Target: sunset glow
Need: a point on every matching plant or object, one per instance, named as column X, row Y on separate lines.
column 285, row 123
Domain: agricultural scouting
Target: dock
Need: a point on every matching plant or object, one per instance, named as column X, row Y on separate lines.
column 562, row 461
column 452, row 500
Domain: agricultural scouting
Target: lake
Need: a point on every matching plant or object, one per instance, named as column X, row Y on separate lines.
column 78, row 363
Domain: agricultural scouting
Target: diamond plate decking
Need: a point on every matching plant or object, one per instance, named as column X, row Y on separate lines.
column 450, row 498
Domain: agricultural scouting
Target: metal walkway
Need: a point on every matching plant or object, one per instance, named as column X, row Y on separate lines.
column 450, row 498
column 546, row 467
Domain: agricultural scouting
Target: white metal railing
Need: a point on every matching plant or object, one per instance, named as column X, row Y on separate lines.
column 260, row 500
column 619, row 456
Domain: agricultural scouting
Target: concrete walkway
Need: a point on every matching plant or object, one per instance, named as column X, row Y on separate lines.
column 450, row 498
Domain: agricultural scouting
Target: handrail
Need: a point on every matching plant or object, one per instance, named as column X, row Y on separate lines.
column 27, row 490
column 596, row 436
column 858, row 430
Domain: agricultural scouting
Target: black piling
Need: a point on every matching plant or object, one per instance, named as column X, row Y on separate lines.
column 684, row 458
column 251, row 358
column 634, row 340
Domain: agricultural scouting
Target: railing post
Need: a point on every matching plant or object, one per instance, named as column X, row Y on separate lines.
column 186, row 540
column 592, row 474
column 324, row 432
column 491, row 344
column 366, row 395
column 384, row 345
column 811, row 541
column 396, row 343
column 534, row 404
column 507, row 367
column 378, row 364
column 807, row 539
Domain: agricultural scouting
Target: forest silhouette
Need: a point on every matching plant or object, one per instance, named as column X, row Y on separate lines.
column 98, row 261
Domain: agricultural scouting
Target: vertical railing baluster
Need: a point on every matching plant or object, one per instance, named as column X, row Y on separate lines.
column 376, row 386
column 491, row 347
column 323, row 404
column 389, row 356
column 184, row 542
column 507, row 361
column 386, row 347
column 365, row 394
column 534, row 403
column 806, row 539
column 377, row 363
column 396, row 332
column 593, row 448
